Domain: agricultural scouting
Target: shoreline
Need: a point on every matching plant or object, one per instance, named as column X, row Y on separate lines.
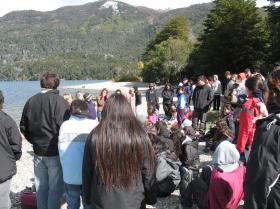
column 110, row 85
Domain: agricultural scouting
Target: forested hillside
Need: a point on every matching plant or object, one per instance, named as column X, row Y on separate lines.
column 99, row 40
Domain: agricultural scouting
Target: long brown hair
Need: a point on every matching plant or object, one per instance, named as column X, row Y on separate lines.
column 120, row 145
column 101, row 93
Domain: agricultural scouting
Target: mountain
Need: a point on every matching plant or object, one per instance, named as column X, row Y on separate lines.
column 98, row 40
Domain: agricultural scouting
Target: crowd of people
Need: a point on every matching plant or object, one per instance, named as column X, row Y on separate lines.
column 100, row 149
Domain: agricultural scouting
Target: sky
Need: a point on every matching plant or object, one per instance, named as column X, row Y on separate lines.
column 48, row 5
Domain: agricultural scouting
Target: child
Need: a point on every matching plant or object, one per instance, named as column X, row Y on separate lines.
column 221, row 187
column 152, row 117
column 188, row 113
column 228, row 116
column 173, row 119
column 221, row 132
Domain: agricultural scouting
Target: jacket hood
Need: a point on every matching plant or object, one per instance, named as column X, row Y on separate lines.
column 164, row 133
column 226, row 157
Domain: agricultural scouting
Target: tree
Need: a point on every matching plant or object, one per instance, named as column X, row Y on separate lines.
column 235, row 37
column 274, row 25
column 167, row 53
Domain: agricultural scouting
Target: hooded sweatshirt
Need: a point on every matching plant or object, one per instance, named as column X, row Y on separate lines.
column 226, row 184
column 72, row 136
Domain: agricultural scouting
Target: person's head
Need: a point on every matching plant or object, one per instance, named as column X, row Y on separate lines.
column 234, row 77
column 79, row 108
column 80, row 96
column 135, row 89
column 104, row 92
column 167, row 87
column 185, row 80
column 215, row 77
column 88, row 97
column 201, row 80
column 209, row 80
column 226, row 157
column 227, row 109
column 161, row 127
column 68, row 98
column 181, row 89
column 1, row 100
column 188, row 110
column 151, row 110
column 49, row 80
column 173, row 108
column 151, row 86
column 118, row 91
column 273, row 104
column 228, row 75
column 223, row 128
column 131, row 91
column 241, row 77
column 119, row 145
column 248, row 73
column 253, row 84
column 277, row 67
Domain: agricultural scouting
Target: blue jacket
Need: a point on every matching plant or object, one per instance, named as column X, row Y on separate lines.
column 182, row 101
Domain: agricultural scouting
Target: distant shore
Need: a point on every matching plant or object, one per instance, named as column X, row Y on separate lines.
column 110, row 85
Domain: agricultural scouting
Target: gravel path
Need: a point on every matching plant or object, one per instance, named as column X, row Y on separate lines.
column 25, row 178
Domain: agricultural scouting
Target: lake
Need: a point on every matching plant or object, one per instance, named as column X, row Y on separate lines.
column 16, row 93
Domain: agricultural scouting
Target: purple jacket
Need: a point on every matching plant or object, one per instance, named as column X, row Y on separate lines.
column 92, row 110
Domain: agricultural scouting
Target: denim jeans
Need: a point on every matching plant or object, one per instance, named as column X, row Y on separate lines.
column 99, row 116
column 48, row 182
column 5, row 202
column 73, row 194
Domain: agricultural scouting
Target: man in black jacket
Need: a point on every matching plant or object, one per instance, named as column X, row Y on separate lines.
column 10, row 152
column 151, row 96
column 202, row 99
column 41, row 119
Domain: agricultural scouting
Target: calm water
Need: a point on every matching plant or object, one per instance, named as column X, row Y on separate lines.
column 16, row 93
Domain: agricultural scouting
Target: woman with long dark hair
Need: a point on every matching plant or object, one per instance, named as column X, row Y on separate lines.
column 118, row 167
column 101, row 100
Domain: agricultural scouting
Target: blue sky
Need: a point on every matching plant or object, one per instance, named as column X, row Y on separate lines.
column 47, row 5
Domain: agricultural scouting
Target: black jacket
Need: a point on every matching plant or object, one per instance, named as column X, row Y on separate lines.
column 202, row 97
column 120, row 198
column 41, row 119
column 151, row 97
column 167, row 96
column 138, row 98
column 10, row 147
column 263, row 166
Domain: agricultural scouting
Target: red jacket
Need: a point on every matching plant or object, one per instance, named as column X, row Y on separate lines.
column 247, row 127
column 225, row 189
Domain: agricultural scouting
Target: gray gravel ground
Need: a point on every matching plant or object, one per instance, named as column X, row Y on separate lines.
column 24, row 178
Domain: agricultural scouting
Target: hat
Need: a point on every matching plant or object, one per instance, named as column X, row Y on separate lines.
column 226, row 157
column 242, row 76
column 180, row 84
column 185, row 79
column 87, row 96
column 151, row 85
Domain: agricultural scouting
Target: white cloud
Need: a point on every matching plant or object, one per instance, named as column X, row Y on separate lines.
column 47, row 5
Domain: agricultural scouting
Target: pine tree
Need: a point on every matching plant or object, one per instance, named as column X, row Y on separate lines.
column 274, row 25
column 235, row 37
